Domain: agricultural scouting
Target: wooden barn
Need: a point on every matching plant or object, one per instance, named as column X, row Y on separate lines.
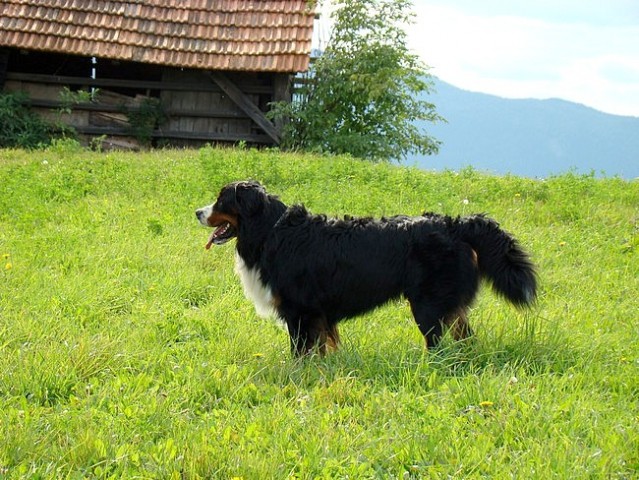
column 179, row 73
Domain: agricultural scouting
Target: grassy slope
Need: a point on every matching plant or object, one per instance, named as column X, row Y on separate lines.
column 127, row 349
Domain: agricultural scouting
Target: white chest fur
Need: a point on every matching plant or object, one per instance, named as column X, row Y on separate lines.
column 255, row 290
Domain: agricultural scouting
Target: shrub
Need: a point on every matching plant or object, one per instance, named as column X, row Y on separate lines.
column 19, row 126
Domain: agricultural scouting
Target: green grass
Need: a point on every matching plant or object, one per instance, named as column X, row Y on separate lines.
column 127, row 350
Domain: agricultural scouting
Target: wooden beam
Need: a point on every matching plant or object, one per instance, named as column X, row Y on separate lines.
column 4, row 61
column 282, row 87
column 204, row 136
column 120, row 83
column 245, row 103
column 102, row 107
column 281, row 93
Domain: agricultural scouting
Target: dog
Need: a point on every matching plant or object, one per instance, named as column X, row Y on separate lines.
column 311, row 272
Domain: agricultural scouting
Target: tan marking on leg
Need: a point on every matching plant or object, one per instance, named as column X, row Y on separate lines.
column 332, row 340
column 458, row 325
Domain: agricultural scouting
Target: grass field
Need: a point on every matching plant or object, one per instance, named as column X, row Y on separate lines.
column 128, row 351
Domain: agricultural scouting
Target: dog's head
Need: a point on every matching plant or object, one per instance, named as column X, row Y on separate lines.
column 237, row 202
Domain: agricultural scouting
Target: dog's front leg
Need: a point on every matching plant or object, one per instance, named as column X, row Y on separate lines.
column 311, row 334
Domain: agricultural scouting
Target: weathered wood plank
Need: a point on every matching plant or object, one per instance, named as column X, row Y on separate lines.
column 141, row 84
column 101, row 107
column 242, row 101
column 203, row 136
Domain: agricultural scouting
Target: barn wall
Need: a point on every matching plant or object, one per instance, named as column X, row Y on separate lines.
column 205, row 111
column 196, row 110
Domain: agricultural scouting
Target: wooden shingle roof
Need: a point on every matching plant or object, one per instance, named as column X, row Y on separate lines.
column 250, row 35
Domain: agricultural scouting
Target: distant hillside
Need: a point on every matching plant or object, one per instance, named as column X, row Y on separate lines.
column 534, row 138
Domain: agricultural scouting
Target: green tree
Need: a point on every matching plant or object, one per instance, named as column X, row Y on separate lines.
column 364, row 93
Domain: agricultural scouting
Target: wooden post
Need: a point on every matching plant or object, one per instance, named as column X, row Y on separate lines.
column 4, row 61
column 281, row 93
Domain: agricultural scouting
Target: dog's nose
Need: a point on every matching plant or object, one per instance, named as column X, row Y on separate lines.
column 203, row 215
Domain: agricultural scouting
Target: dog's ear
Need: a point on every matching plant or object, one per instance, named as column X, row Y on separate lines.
column 251, row 197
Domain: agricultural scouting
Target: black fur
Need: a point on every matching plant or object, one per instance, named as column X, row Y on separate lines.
column 321, row 271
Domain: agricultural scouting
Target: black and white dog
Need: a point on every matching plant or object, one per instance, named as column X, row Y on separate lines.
column 311, row 272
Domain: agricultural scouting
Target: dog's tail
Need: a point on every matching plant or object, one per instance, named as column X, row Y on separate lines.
column 501, row 259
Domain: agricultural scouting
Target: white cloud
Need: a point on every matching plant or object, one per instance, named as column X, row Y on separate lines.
column 519, row 57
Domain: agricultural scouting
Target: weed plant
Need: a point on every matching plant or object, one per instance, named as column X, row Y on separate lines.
column 129, row 351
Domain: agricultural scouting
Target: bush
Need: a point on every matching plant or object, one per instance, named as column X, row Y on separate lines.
column 19, row 126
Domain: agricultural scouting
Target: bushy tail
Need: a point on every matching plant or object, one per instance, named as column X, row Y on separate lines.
column 501, row 259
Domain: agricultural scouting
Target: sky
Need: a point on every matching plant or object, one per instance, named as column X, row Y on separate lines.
column 584, row 51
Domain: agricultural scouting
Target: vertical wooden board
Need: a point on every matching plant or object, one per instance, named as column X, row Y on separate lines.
column 282, row 87
column 174, row 120
column 200, row 125
column 166, row 100
column 187, row 124
column 241, row 126
column 178, row 102
column 203, row 102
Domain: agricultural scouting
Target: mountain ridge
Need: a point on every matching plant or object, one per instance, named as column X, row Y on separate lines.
column 528, row 137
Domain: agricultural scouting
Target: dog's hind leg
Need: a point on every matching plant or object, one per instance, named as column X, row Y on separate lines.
column 332, row 338
column 457, row 322
column 434, row 317
column 429, row 319
column 440, row 299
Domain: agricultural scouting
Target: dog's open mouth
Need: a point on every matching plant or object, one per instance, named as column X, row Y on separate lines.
column 222, row 234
